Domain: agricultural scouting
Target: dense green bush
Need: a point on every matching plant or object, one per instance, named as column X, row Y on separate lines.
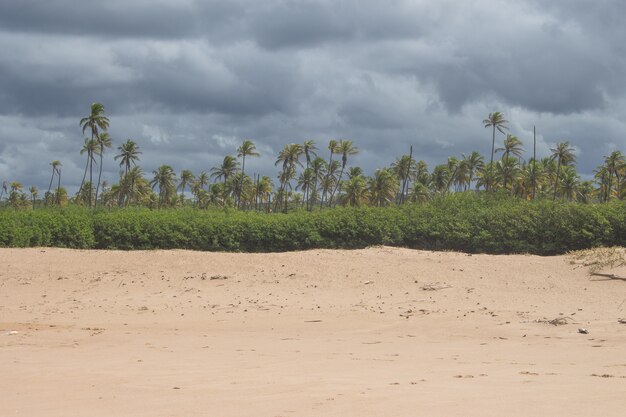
column 464, row 222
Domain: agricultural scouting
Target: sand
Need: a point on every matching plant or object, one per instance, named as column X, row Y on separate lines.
column 375, row 332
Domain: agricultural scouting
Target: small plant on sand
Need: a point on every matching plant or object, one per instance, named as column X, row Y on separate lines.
column 599, row 259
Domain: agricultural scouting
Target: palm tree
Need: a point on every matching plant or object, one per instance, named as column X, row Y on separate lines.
column 333, row 147
column 383, row 187
column 165, row 179
column 34, row 192
column 318, row 166
column 474, row 163
column 95, row 121
column 305, row 182
column 90, row 147
column 495, row 120
column 355, row 190
column 186, row 178
column 128, row 155
column 613, row 163
column 226, row 170
column 4, row 189
column 247, row 148
column 104, row 141
column 564, row 155
column 309, row 149
column 512, row 146
column 345, row 148
column 404, row 168
column 56, row 164
column 507, row 169
column 289, row 156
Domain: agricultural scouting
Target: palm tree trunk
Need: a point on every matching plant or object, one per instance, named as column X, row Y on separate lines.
column 59, row 187
column 556, row 180
column 90, row 177
column 84, row 175
column 243, row 175
column 99, row 176
column 51, row 179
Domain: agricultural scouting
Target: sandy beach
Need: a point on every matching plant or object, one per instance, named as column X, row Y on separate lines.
column 375, row 332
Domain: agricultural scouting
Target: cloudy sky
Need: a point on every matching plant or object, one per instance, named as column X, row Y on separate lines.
column 188, row 80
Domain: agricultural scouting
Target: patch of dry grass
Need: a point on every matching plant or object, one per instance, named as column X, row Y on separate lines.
column 599, row 259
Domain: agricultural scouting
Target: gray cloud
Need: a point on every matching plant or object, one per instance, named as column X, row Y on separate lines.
column 189, row 80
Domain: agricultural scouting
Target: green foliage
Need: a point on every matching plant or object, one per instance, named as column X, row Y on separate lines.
column 478, row 223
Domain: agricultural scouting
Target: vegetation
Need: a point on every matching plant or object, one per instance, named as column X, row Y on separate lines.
column 538, row 205
column 490, row 223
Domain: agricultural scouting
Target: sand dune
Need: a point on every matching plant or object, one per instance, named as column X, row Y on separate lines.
column 375, row 332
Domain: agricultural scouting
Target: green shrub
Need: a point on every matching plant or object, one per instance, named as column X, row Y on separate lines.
column 465, row 222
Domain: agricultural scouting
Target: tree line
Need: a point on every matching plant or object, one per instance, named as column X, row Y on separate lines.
column 308, row 179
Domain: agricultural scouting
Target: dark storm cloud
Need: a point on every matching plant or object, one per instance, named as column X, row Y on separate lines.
column 189, row 80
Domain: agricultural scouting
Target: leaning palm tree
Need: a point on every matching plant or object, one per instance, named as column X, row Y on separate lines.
column 564, row 155
column 495, row 120
column 404, row 168
column 96, row 121
column 55, row 165
column 247, row 148
column 104, row 141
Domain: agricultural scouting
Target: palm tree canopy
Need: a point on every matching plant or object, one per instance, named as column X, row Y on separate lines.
column 95, row 120
column 247, row 148
column 497, row 121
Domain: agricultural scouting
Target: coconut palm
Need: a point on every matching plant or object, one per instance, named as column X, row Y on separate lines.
column 305, row 182
column 404, row 168
column 227, row 169
column 104, row 142
column 333, row 147
column 34, row 192
column 383, row 187
column 355, row 191
column 289, row 157
column 90, row 147
column 247, row 148
column 128, row 155
column 345, row 148
column 309, row 149
column 165, row 180
column 564, row 155
column 495, row 120
column 512, row 146
column 612, row 163
column 186, row 178
column 318, row 166
column 96, row 121
column 474, row 162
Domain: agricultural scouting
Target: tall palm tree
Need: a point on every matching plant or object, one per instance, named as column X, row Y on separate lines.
column 247, row 148
column 305, row 182
column 104, row 142
column 512, row 146
column 165, row 180
column 495, row 120
column 318, row 166
column 186, row 178
column 309, row 149
column 227, row 169
column 90, row 147
column 345, row 148
column 333, row 147
column 564, row 155
column 56, row 170
column 96, row 121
